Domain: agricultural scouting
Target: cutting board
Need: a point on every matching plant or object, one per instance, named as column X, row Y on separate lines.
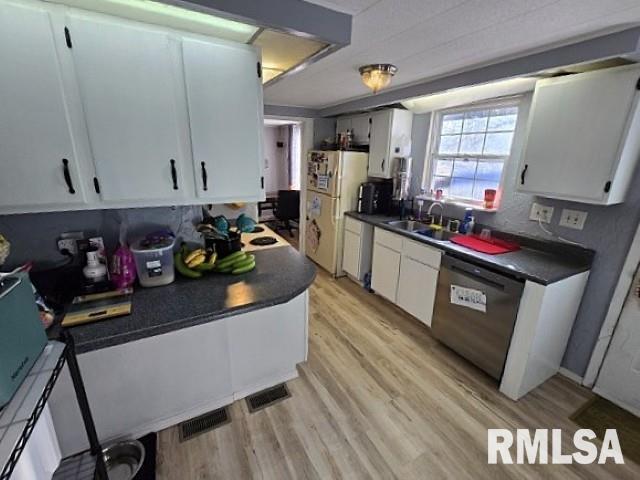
column 91, row 308
column 494, row 246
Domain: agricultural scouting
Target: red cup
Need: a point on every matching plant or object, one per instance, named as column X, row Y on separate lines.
column 489, row 198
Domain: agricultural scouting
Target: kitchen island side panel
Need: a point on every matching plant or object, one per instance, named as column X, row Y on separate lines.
column 545, row 319
column 150, row 384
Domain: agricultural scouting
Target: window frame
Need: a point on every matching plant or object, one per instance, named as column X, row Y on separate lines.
column 435, row 135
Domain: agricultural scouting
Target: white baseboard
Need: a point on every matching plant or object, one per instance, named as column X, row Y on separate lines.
column 574, row 377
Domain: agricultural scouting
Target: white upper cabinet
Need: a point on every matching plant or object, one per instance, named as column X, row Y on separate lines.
column 224, row 93
column 390, row 133
column 38, row 164
column 583, row 136
column 129, row 84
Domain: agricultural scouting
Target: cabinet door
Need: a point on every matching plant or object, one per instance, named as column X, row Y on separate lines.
column 379, row 161
column 224, row 93
column 576, row 126
column 384, row 271
column 417, row 289
column 37, row 158
column 351, row 254
column 128, row 85
column 360, row 127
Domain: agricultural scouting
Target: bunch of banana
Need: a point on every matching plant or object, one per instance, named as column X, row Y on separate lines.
column 193, row 264
column 236, row 263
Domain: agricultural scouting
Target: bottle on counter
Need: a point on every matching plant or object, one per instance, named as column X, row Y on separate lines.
column 468, row 215
column 470, row 224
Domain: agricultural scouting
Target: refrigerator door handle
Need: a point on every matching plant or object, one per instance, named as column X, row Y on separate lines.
column 333, row 213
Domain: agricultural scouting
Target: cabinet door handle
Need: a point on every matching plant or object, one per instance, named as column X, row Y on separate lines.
column 523, row 174
column 174, row 174
column 67, row 176
column 204, row 175
column 382, row 165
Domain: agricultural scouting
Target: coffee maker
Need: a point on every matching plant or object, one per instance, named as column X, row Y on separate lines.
column 375, row 197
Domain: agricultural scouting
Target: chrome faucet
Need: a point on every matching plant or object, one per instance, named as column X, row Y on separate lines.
column 441, row 210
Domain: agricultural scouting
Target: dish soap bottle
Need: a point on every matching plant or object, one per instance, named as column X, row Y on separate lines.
column 470, row 224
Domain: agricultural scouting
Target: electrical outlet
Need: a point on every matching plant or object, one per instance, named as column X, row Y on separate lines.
column 573, row 219
column 69, row 241
column 544, row 213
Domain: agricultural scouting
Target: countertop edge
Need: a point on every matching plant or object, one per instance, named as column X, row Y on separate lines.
column 458, row 251
column 87, row 346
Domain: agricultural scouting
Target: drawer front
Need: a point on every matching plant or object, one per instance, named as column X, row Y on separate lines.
column 353, row 225
column 388, row 239
column 422, row 253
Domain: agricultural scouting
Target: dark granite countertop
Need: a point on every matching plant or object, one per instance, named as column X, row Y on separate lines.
column 539, row 261
column 280, row 275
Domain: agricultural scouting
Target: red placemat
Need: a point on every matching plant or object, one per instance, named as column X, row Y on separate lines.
column 491, row 247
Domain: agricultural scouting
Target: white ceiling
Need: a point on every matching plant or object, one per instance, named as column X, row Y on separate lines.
column 430, row 38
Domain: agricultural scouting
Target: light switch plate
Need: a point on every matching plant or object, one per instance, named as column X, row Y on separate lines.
column 542, row 212
column 573, row 219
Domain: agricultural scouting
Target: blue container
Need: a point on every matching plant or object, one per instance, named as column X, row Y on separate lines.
column 468, row 214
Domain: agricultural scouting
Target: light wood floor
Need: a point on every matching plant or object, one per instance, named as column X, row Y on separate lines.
column 378, row 398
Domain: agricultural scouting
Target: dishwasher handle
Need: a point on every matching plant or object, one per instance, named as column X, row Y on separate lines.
column 479, row 277
column 482, row 275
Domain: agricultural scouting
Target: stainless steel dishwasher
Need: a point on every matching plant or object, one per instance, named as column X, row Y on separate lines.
column 475, row 312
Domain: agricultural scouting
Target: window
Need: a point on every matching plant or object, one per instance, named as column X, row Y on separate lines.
column 469, row 148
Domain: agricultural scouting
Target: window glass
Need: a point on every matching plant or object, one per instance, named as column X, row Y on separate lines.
column 472, row 148
column 449, row 144
column 472, row 144
column 476, row 121
column 452, row 123
column 498, row 143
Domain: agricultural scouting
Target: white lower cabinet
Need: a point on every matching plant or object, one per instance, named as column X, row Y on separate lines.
column 356, row 252
column 351, row 253
column 417, row 289
column 385, row 270
column 405, row 272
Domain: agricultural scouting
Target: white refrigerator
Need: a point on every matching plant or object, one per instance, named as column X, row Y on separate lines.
column 333, row 179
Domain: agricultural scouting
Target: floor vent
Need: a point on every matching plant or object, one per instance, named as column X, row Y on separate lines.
column 203, row 423
column 267, row 397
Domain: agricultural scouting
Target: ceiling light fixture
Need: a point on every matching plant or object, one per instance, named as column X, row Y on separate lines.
column 377, row 76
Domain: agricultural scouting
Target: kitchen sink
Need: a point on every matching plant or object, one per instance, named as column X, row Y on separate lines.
column 423, row 229
column 409, row 225
column 440, row 235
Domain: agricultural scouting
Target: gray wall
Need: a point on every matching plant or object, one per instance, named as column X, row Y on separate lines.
column 608, row 230
column 276, row 169
column 323, row 128
column 34, row 236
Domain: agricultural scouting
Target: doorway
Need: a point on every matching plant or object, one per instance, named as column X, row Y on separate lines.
column 619, row 377
column 283, row 149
